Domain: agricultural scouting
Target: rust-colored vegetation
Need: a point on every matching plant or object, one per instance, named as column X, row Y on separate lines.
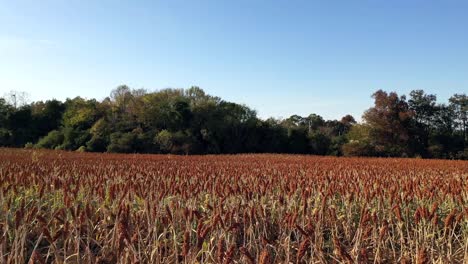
column 58, row 207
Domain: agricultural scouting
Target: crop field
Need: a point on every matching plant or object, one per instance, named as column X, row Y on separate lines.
column 62, row 207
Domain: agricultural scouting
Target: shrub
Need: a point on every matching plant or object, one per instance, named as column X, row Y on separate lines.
column 52, row 140
column 122, row 142
column 357, row 148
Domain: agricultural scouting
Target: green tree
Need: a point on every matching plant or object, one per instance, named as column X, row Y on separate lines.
column 122, row 142
column 53, row 140
column 459, row 103
column 176, row 143
column 320, row 143
column 359, row 141
column 80, row 113
column 424, row 110
column 6, row 135
column 47, row 116
column 190, row 121
column 100, row 139
column 313, row 122
column 443, row 141
column 298, row 140
column 347, row 122
column 20, row 123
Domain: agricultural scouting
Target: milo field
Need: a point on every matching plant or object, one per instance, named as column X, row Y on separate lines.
column 68, row 207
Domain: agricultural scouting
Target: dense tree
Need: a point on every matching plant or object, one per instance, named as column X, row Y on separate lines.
column 80, row 113
column 424, row 110
column 348, row 121
column 122, row 142
column 298, row 140
column 52, row 141
column 389, row 122
column 444, row 142
column 423, row 106
column 100, row 138
column 459, row 103
column 359, row 141
column 320, row 143
column 272, row 137
column 313, row 122
column 6, row 136
column 5, row 110
column 47, row 116
column 190, row 121
column 20, row 123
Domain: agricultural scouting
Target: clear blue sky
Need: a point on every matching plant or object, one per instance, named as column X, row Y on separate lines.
column 279, row 57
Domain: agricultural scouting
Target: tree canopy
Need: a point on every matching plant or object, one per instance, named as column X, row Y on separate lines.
column 189, row 121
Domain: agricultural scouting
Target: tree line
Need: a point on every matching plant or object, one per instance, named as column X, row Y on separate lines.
column 189, row 121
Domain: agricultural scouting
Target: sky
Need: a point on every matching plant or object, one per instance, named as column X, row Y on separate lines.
column 278, row 57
